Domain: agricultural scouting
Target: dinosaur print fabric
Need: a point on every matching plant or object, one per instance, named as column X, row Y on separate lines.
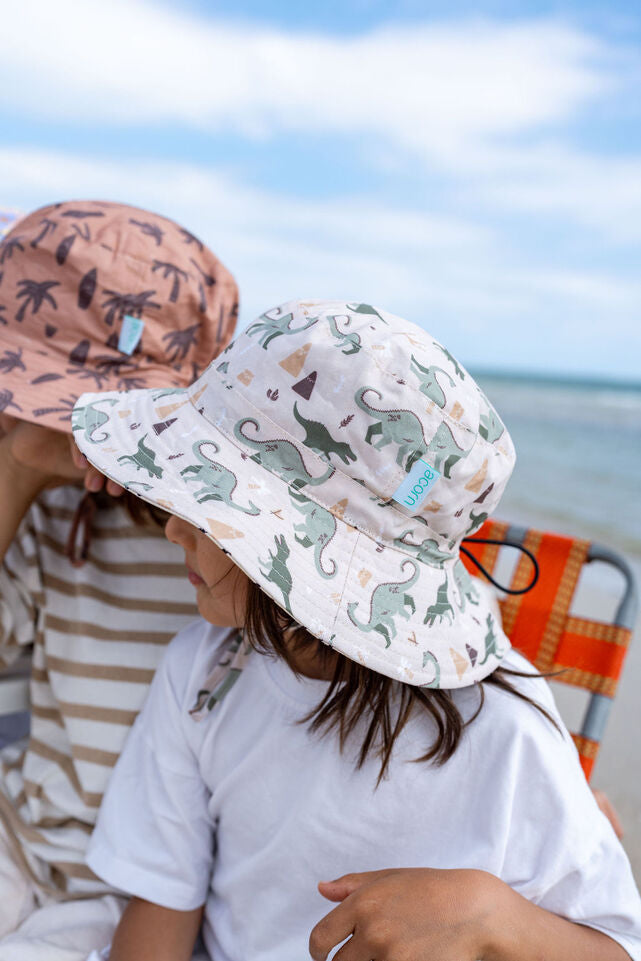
column 70, row 276
column 288, row 451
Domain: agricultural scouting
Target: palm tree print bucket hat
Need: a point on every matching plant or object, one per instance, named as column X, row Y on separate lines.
column 105, row 295
column 339, row 455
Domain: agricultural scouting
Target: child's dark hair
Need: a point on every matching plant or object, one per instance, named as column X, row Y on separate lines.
column 356, row 691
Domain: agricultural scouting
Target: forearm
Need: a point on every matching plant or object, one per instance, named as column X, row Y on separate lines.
column 522, row 931
column 149, row 932
column 18, row 488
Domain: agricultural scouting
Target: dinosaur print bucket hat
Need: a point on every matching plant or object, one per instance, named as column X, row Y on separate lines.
column 103, row 295
column 339, row 454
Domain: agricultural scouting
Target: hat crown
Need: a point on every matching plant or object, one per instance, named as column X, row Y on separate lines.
column 103, row 294
column 346, row 403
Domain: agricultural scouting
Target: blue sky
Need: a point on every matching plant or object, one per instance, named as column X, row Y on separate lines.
column 473, row 167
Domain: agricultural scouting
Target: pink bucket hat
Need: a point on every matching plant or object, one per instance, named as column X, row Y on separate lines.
column 107, row 295
column 340, row 455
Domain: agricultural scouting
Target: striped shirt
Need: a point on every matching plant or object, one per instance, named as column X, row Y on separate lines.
column 98, row 632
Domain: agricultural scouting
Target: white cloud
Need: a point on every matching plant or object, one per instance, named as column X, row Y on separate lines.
column 602, row 193
column 449, row 275
column 457, row 97
column 435, row 88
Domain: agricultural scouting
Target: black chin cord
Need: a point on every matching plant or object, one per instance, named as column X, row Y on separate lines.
column 519, row 547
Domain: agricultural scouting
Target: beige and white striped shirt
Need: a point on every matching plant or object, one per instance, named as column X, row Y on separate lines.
column 98, row 633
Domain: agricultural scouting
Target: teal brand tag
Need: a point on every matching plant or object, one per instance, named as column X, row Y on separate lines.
column 417, row 485
column 130, row 334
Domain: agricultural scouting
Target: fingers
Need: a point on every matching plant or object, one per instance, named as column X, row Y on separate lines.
column 355, row 950
column 78, row 458
column 610, row 811
column 93, row 480
column 342, row 887
column 330, row 931
column 114, row 489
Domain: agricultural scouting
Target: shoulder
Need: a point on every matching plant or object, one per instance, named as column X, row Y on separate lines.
column 189, row 656
column 530, row 685
column 511, row 726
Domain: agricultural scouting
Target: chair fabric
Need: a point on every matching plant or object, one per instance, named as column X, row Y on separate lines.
column 579, row 651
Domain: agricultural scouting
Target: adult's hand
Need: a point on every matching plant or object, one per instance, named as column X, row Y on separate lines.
column 416, row 914
column 409, row 913
column 40, row 457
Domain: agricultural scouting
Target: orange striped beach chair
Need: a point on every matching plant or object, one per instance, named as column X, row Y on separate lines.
column 587, row 654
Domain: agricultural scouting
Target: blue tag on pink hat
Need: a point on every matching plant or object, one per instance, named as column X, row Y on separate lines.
column 130, row 334
column 417, row 485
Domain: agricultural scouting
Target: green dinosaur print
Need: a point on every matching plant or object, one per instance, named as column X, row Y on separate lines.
column 429, row 384
column 444, row 450
column 319, row 439
column 141, row 484
column 427, row 551
column 441, row 607
column 350, row 342
column 169, row 392
column 277, row 572
column 89, row 418
column 316, row 531
column 280, row 456
column 400, row 427
column 490, row 424
column 466, row 588
column 428, row 658
column 271, row 327
column 218, row 483
column 387, row 602
column 365, row 309
column 491, row 646
column 144, row 459
column 458, row 370
column 475, row 521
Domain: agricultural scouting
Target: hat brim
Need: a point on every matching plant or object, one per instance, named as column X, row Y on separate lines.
column 41, row 386
column 386, row 608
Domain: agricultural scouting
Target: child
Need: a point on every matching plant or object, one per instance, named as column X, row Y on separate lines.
column 322, row 475
column 106, row 295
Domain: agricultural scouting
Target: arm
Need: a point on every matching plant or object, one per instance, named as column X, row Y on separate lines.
column 149, row 932
column 19, row 486
column 19, row 581
column 32, row 458
column 454, row 915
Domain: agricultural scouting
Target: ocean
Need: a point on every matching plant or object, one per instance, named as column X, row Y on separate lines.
column 578, row 446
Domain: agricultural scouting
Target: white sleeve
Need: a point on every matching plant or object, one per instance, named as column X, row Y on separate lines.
column 562, row 853
column 154, row 838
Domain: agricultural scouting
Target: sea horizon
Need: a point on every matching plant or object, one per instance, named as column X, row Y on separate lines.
column 570, row 380
column 578, row 444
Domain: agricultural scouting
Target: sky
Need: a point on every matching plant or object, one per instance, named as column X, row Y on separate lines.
column 475, row 168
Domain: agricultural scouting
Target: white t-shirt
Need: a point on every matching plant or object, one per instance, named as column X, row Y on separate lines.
column 245, row 811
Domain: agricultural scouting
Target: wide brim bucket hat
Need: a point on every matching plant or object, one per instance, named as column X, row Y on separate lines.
column 339, row 454
column 104, row 295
